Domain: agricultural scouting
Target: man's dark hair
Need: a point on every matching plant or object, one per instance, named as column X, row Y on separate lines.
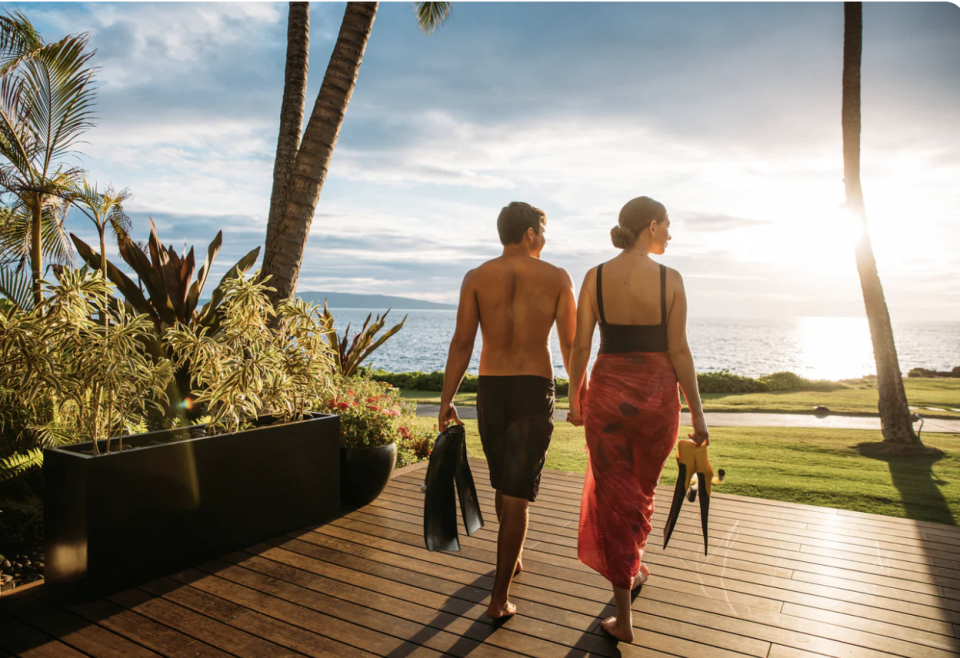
column 515, row 219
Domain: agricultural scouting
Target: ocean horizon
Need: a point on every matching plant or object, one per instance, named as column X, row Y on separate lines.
column 815, row 347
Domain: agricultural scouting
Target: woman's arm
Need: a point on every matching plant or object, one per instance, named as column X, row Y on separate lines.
column 582, row 344
column 682, row 359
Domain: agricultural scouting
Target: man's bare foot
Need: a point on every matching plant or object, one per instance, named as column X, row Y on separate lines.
column 611, row 626
column 641, row 577
column 501, row 612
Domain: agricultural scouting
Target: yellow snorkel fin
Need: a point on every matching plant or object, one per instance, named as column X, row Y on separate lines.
column 692, row 459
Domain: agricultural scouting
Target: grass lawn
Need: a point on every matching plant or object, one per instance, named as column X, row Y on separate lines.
column 943, row 394
column 812, row 466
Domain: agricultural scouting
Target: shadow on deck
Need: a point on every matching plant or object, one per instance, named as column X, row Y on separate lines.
column 783, row 580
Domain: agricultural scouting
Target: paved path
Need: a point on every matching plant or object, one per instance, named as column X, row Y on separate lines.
column 733, row 419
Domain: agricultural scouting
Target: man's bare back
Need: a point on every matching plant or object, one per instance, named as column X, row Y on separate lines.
column 517, row 298
column 514, row 300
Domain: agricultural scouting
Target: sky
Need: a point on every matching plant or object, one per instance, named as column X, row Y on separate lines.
column 729, row 114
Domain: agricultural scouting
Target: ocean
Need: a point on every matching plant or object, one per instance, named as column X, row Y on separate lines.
column 812, row 347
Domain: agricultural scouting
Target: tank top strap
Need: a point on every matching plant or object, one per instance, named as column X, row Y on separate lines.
column 663, row 295
column 603, row 319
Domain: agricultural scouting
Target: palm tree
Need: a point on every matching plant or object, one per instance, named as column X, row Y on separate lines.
column 46, row 103
column 301, row 167
column 104, row 209
column 894, row 410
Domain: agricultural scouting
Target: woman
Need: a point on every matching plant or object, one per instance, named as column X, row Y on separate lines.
column 631, row 409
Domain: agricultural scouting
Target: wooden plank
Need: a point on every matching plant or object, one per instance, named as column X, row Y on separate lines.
column 888, row 576
column 795, row 560
column 268, row 628
column 199, row 626
column 910, row 593
column 523, row 634
column 354, row 635
column 765, row 527
column 72, row 630
column 794, row 632
column 146, row 632
column 894, row 604
column 25, row 641
column 558, row 629
column 943, row 642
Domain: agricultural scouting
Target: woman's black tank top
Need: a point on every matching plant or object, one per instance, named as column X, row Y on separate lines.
column 619, row 338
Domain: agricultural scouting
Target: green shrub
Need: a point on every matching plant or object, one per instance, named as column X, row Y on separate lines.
column 710, row 382
column 788, row 381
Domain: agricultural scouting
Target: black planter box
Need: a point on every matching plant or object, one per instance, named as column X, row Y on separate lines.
column 163, row 504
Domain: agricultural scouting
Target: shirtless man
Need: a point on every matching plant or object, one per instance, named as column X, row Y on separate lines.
column 515, row 300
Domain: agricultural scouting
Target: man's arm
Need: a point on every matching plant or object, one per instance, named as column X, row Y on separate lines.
column 566, row 318
column 461, row 349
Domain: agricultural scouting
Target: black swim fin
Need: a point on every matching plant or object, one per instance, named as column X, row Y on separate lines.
column 467, row 490
column 448, row 464
column 439, row 503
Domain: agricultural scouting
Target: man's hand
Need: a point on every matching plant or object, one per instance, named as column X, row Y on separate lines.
column 448, row 414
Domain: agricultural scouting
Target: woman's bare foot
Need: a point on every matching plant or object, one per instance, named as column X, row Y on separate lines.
column 641, row 577
column 611, row 626
column 501, row 612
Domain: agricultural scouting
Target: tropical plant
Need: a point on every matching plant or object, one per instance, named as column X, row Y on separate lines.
column 76, row 379
column 168, row 294
column 349, row 354
column 172, row 293
column 248, row 368
column 46, row 104
column 301, row 168
column 895, row 415
column 373, row 414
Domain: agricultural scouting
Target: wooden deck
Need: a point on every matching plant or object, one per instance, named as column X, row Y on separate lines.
column 782, row 581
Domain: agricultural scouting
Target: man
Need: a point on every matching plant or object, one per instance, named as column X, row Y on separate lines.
column 515, row 299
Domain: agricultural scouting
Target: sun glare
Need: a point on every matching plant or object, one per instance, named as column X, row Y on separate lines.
column 833, row 348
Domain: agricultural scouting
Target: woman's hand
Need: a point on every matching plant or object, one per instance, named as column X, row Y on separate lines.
column 701, row 435
column 574, row 415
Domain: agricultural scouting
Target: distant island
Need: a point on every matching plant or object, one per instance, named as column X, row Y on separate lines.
column 374, row 302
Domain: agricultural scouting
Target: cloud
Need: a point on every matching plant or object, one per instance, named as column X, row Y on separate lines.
column 729, row 114
column 704, row 221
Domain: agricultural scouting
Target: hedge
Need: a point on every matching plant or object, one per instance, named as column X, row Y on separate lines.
column 710, row 382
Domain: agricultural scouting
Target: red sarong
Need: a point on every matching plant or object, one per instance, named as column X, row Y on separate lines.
column 631, row 418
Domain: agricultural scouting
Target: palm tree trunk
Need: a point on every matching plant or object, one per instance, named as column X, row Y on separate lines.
column 893, row 407
column 284, row 252
column 103, row 267
column 36, row 253
column 291, row 115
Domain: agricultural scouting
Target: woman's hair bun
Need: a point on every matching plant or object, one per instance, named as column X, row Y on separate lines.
column 622, row 237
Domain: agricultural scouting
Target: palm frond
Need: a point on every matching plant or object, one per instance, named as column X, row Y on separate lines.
column 17, row 288
column 17, row 464
column 431, row 15
column 18, row 40
column 60, row 92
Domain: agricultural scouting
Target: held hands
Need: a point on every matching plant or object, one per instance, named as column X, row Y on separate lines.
column 701, row 435
column 448, row 414
column 574, row 416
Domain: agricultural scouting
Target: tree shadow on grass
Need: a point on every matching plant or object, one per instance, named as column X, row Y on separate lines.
column 911, row 469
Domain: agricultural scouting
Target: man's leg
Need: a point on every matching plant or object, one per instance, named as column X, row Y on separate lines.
column 513, row 530
column 498, row 504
